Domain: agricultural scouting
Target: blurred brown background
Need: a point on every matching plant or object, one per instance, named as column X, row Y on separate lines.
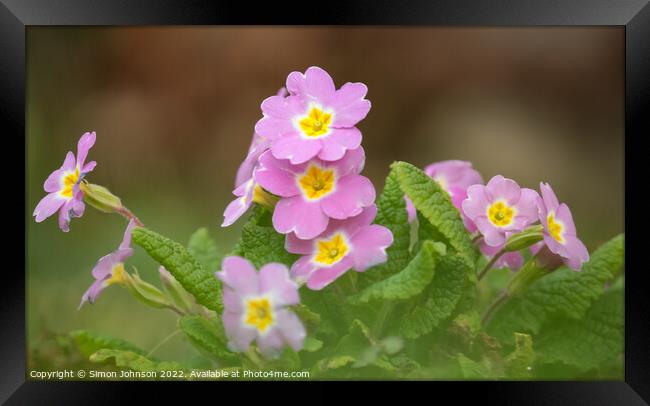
column 174, row 109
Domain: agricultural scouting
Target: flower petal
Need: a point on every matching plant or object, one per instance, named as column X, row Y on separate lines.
column 126, row 240
column 549, row 198
column 292, row 329
column 53, row 182
column 315, row 84
column 353, row 193
column 491, row 235
column 294, row 214
column 295, row 148
column 83, row 146
column 270, row 343
column 239, row 336
column 48, row 206
column 91, row 295
column 350, row 105
column 564, row 215
column 70, row 162
column 369, row 246
column 322, row 277
column 302, row 269
column 502, row 188
column 240, row 275
column 275, row 180
column 476, row 203
column 410, row 209
column 273, row 128
column 274, row 279
column 340, row 140
column 296, row 245
column 235, row 210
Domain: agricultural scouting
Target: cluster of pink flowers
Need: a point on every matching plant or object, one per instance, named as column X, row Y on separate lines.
column 502, row 208
column 307, row 153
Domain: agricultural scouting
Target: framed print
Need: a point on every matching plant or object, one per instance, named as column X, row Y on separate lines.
column 435, row 193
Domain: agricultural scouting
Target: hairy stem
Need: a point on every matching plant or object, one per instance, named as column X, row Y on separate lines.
column 164, row 340
column 493, row 307
column 124, row 211
column 490, row 264
column 385, row 310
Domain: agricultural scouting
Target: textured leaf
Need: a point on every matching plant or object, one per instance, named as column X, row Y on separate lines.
column 207, row 336
column 188, row 271
column 409, row 282
column 134, row 361
column 435, row 205
column 204, row 249
column 89, row 342
column 449, row 282
column 472, row 369
column 312, row 344
column 260, row 243
column 590, row 341
column 563, row 293
column 391, row 213
column 519, row 363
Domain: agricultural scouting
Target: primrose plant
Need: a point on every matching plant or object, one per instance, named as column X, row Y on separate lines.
column 441, row 276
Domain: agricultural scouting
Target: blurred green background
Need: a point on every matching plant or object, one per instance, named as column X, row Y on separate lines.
column 174, row 109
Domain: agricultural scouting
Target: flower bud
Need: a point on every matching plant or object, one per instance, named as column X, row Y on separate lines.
column 100, row 198
column 524, row 239
column 174, row 290
column 146, row 292
column 264, row 198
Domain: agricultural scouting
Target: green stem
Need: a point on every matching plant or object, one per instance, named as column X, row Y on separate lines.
column 385, row 310
column 493, row 307
column 490, row 263
column 254, row 358
column 124, row 211
column 164, row 340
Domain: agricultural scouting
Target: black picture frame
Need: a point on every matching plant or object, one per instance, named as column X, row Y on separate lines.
column 634, row 15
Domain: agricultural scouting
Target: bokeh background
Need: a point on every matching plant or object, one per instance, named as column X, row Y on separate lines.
column 174, row 109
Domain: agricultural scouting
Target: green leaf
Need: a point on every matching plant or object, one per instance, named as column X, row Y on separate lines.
column 334, row 362
column 562, row 293
column 409, row 282
column 188, row 271
column 435, row 205
column 519, row 363
column 90, row 341
column 260, row 243
column 443, row 295
column 357, row 347
column 312, row 344
column 472, row 369
column 204, row 249
column 588, row 342
column 134, row 361
column 207, row 336
column 391, row 213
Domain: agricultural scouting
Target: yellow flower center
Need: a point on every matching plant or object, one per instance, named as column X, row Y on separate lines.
column 331, row 251
column 259, row 313
column 118, row 275
column 317, row 182
column 500, row 214
column 69, row 180
column 554, row 228
column 315, row 123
